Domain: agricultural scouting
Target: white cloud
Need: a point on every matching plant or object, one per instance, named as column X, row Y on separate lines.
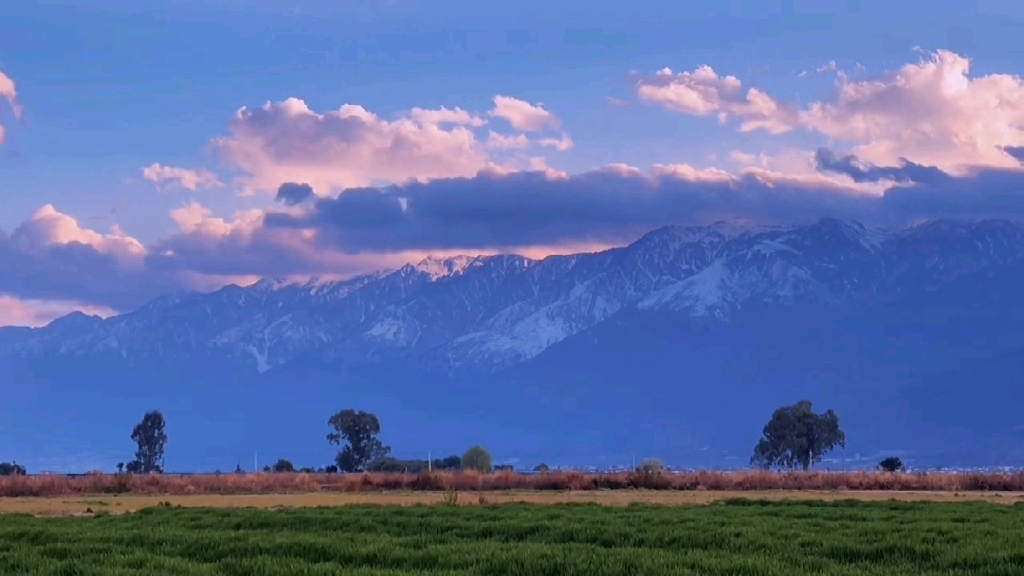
column 703, row 93
column 524, row 116
column 9, row 93
column 35, row 313
column 191, row 180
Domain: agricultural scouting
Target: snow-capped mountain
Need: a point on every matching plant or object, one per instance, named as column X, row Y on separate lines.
column 486, row 313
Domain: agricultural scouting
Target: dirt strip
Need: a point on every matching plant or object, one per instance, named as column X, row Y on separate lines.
column 89, row 505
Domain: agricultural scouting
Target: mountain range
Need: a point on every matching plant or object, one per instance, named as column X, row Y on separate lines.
column 678, row 346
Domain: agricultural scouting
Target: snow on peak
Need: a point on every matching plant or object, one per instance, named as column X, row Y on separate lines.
column 438, row 268
column 272, row 284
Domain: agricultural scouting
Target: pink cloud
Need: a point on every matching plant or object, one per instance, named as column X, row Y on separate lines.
column 36, row 313
column 350, row 147
column 931, row 112
column 191, row 180
column 507, row 142
column 524, row 116
column 703, row 92
column 9, row 93
column 47, row 227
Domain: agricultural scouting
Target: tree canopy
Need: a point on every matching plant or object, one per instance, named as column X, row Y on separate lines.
column 891, row 464
column 151, row 439
column 12, row 469
column 797, row 437
column 359, row 430
column 477, row 458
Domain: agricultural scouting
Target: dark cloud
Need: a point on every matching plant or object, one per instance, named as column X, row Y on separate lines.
column 862, row 171
column 292, row 193
column 76, row 272
column 1015, row 151
column 524, row 209
column 367, row 229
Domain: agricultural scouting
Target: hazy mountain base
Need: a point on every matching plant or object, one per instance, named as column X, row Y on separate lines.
column 931, row 382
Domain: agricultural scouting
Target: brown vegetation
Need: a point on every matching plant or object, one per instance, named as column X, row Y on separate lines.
column 99, row 504
column 266, row 483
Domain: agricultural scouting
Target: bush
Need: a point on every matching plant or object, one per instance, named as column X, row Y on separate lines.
column 281, row 465
column 477, row 458
column 891, row 464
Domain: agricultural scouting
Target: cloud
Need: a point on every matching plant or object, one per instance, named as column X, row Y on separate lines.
column 191, row 180
column 1015, row 152
column 507, row 142
column 443, row 115
column 9, row 93
column 48, row 228
column 931, row 112
column 292, row 193
column 862, row 171
column 524, row 116
column 52, row 257
column 350, row 147
column 35, row 313
column 703, row 93
column 610, row 205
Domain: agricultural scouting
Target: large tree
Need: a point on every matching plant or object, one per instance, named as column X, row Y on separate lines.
column 796, row 437
column 150, row 437
column 477, row 458
column 359, row 431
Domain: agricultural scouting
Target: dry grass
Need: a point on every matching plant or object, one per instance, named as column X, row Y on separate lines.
column 223, row 484
column 89, row 505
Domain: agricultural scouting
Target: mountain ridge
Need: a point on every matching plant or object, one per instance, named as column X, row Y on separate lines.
column 487, row 313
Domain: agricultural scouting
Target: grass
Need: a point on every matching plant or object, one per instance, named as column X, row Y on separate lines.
column 732, row 537
column 36, row 486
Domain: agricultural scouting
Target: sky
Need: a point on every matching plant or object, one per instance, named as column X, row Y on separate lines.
column 153, row 147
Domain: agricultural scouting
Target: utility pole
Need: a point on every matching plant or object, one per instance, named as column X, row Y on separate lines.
column 430, row 467
column 255, row 462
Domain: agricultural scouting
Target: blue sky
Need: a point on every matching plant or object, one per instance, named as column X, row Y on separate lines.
column 109, row 88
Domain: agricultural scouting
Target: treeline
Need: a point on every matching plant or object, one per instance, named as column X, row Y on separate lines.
column 795, row 438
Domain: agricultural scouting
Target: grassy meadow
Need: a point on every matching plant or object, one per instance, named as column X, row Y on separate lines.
column 732, row 537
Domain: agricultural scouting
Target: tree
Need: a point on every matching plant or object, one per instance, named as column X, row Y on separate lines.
column 797, row 437
column 651, row 466
column 359, row 430
column 150, row 437
column 541, row 468
column 282, row 465
column 477, row 458
column 12, row 469
column 448, row 463
column 891, row 464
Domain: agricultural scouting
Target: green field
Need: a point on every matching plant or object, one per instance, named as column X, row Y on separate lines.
column 735, row 538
